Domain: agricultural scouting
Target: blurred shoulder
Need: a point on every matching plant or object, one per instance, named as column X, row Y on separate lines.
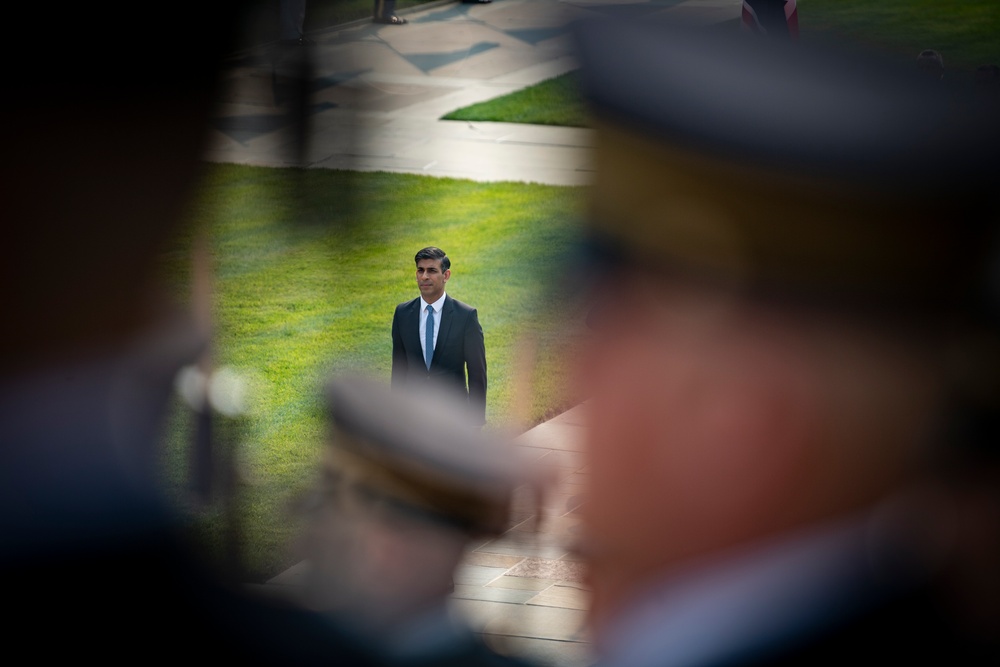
column 461, row 306
column 407, row 304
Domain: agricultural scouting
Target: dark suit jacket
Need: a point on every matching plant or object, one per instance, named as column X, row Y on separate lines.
column 460, row 347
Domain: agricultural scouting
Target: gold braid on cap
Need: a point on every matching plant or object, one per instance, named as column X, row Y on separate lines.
column 760, row 229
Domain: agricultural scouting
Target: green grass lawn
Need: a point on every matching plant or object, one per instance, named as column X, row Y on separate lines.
column 300, row 295
column 555, row 101
column 966, row 33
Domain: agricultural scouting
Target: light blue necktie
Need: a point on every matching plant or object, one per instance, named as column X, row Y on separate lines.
column 429, row 337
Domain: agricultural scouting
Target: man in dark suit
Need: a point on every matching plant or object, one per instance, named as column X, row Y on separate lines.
column 446, row 348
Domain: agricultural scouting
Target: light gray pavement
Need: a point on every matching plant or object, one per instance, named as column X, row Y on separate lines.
column 524, row 591
column 378, row 93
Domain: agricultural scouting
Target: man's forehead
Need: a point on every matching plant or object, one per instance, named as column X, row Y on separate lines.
column 429, row 264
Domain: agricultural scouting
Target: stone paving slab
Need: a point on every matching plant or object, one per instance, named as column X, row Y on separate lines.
column 564, row 596
column 548, row 652
column 554, row 436
column 515, row 620
column 529, row 584
column 540, row 611
column 495, row 594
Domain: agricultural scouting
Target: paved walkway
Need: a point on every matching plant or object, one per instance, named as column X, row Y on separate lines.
column 524, row 591
column 377, row 94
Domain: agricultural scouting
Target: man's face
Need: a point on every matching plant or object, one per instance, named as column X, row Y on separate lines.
column 431, row 279
column 716, row 422
column 683, row 421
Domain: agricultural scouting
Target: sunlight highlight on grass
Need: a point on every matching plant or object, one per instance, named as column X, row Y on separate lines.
column 309, row 266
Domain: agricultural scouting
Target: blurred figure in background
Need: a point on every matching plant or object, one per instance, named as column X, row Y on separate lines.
column 292, row 21
column 795, row 261
column 409, row 481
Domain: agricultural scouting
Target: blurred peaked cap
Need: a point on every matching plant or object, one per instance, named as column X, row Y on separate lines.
column 781, row 166
column 418, row 449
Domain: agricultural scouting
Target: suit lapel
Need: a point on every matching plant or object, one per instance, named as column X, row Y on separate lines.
column 412, row 326
column 445, row 330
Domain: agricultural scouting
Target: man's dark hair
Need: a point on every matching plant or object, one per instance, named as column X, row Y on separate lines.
column 430, row 252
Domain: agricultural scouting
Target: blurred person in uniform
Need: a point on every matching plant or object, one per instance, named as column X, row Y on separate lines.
column 794, row 266
column 409, row 482
column 103, row 149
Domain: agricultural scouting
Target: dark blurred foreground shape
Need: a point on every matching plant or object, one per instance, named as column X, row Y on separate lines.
column 794, row 277
column 931, row 63
column 103, row 133
column 409, row 482
column 775, row 19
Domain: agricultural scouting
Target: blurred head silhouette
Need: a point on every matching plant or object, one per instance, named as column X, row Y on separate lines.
column 931, row 63
column 409, row 482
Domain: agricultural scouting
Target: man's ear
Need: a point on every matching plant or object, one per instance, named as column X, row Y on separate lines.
column 447, row 274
